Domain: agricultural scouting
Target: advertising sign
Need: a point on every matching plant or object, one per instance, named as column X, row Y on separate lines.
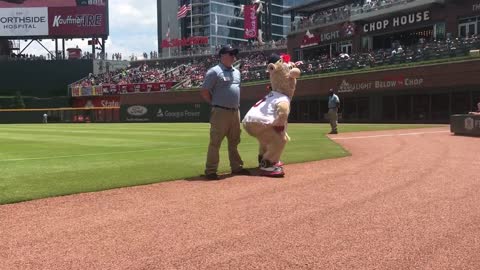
column 164, row 113
column 167, row 43
column 77, row 21
column 102, row 102
column 53, row 18
column 397, row 82
column 250, row 22
column 109, row 89
column 398, row 21
column 23, row 22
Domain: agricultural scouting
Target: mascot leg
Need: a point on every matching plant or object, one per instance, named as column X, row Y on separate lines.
column 254, row 130
column 271, row 147
column 275, row 143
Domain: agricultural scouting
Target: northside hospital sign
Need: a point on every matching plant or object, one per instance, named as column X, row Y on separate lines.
column 81, row 21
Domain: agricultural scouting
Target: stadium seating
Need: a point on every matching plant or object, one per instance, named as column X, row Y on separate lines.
column 188, row 72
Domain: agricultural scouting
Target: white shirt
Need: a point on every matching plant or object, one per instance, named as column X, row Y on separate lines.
column 265, row 110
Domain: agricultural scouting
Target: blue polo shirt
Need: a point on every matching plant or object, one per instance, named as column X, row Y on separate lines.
column 224, row 86
column 333, row 101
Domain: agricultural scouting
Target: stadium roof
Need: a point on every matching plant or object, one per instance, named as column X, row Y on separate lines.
column 315, row 5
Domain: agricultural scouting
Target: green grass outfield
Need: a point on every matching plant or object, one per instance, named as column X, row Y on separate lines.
column 38, row 161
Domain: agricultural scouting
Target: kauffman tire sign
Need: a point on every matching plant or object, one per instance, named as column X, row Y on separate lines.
column 77, row 21
column 23, row 22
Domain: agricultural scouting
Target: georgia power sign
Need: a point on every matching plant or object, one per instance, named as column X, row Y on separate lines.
column 23, row 22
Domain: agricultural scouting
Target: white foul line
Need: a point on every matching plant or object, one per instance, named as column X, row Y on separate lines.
column 390, row 135
column 104, row 153
column 97, row 154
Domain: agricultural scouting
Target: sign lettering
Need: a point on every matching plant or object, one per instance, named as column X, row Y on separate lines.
column 386, row 83
column 23, row 22
column 398, row 21
column 311, row 39
column 476, row 7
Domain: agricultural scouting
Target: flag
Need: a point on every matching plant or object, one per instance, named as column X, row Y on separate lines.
column 167, row 35
column 183, row 10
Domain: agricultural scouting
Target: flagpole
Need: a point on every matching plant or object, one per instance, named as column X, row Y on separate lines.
column 216, row 30
column 169, row 55
column 191, row 20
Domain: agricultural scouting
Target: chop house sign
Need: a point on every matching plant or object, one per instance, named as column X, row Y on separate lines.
column 412, row 18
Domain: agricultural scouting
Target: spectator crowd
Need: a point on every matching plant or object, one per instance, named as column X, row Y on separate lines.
column 188, row 72
column 342, row 13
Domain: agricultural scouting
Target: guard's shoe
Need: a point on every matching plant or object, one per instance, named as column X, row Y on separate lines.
column 212, row 176
column 242, row 172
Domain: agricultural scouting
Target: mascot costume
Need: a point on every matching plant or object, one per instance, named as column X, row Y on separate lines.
column 267, row 119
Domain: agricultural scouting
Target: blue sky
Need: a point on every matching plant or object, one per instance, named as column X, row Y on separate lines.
column 133, row 30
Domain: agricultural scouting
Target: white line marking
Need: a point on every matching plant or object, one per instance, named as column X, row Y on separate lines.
column 389, row 135
column 97, row 154
column 106, row 153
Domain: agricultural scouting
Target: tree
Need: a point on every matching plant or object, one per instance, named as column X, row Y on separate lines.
column 18, row 101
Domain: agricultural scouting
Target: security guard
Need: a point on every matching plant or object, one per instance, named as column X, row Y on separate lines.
column 221, row 88
column 333, row 105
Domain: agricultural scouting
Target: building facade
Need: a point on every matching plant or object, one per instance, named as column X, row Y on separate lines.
column 352, row 26
column 429, row 29
column 168, row 26
column 222, row 21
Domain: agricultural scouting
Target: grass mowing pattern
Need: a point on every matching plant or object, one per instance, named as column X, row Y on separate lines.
column 38, row 161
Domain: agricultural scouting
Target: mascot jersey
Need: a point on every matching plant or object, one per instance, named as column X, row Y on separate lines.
column 264, row 110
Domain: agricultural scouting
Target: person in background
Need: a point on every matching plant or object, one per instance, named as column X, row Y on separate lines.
column 477, row 112
column 221, row 88
column 333, row 105
column 45, row 118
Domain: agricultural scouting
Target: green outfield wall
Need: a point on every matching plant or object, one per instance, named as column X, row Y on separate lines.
column 41, row 78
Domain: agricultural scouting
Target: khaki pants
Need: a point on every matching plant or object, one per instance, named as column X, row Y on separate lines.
column 271, row 142
column 333, row 117
column 224, row 123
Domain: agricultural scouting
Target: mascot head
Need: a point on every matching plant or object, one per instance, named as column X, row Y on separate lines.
column 283, row 74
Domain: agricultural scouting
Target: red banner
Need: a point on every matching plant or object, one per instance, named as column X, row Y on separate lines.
column 103, row 102
column 250, row 22
column 77, row 21
column 76, row 91
column 184, row 42
column 112, row 89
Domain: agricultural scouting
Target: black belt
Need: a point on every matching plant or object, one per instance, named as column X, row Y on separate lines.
column 225, row 108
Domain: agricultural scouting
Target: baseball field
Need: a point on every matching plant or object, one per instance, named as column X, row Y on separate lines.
column 39, row 161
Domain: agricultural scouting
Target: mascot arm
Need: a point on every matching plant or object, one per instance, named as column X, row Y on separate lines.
column 283, row 108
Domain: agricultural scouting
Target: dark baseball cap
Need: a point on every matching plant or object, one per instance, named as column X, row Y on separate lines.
column 273, row 58
column 227, row 49
column 331, row 90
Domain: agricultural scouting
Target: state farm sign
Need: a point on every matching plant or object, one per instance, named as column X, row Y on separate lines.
column 23, row 22
column 397, row 21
